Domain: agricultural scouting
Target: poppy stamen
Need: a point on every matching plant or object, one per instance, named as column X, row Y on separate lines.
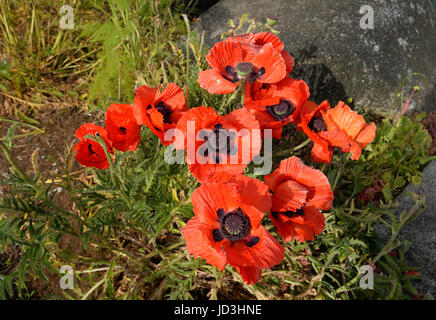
column 317, row 124
column 123, row 130
column 165, row 111
column 244, row 69
column 256, row 74
column 90, row 149
column 219, row 141
column 235, row 225
column 282, row 110
column 232, row 73
column 252, row 241
column 217, row 235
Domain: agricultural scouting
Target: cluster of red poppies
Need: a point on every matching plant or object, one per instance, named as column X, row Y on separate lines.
column 229, row 206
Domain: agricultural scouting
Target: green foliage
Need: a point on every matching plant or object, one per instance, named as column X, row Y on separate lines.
column 127, row 26
column 36, row 49
column 395, row 158
column 128, row 218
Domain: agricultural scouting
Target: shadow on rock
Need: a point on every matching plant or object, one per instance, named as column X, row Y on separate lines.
column 321, row 80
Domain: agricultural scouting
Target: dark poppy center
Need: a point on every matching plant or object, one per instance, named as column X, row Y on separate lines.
column 235, row 225
column 90, row 149
column 232, row 75
column 123, row 130
column 243, row 70
column 165, row 111
column 256, row 74
column 317, row 124
column 220, row 141
column 282, row 110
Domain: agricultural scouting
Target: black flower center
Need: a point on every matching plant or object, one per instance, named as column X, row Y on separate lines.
column 282, row 110
column 244, row 70
column 220, row 141
column 256, row 74
column 90, row 149
column 232, row 73
column 123, row 130
column 317, row 124
column 234, row 226
column 165, row 111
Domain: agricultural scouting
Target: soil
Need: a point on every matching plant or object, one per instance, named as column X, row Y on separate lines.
column 45, row 152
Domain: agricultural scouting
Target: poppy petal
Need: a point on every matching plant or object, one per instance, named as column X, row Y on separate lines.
column 248, row 130
column 199, row 243
column 208, row 199
column 215, row 83
column 288, row 196
column 250, row 275
column 289, row 61
column 336, row 138
column 253, row 192
column 262, row 38
column 319, row 154
column 313, row 180
column 265, row 254
column 367, row 135
column 303, row 228
column 122, row 127
column 214, row 173
column 200, row 118
column 143, row 98
column 90, row 128
column 224, row 54
column 346, row 119
column 272, row 61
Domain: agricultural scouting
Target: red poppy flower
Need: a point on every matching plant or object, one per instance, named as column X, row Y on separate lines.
column 276, row 105
column 257, row 40
column 226, row 228
column 232, row 61
column 88, row 152
column 339, row 127
column 122, row 128
column 218, row 147
column 159, row 111
column 353, row 125
column 299, row 193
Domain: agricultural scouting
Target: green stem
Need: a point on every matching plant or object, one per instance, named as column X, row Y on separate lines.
column 301, row 145
column 188, row 41
column 119, row 81
column 242, row 85
column 286, row 152
column 340, row 170
column 230, row 99
column 12, row 162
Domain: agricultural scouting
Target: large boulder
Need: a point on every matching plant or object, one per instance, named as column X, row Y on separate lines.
column 337, row 57
column 421, row 231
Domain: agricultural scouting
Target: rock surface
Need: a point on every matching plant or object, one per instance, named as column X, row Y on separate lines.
column 337, row 57
column 421, row 231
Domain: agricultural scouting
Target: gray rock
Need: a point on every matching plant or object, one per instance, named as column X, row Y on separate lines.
column 422, row 230
column 336, row 56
